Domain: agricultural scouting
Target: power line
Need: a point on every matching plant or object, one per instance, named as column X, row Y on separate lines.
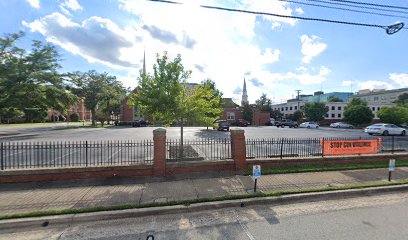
column 358, row 6
column 389, row 29
column 371, row 4
column 344, row 9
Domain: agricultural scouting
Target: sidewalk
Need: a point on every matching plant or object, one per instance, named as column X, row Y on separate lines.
column 25, row 198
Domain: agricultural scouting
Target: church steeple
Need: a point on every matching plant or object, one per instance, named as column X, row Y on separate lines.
column 244, row 100
column 144, row 63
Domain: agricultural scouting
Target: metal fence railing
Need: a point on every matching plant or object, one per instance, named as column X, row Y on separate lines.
column 312, row 147
column 199, row 149
column 21, row 155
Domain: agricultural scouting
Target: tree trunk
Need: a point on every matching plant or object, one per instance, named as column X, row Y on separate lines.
column 93, row 112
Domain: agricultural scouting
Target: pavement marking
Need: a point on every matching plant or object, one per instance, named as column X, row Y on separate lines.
column 243, row 226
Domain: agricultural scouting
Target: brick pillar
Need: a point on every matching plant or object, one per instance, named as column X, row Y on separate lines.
column 159, row 155
column 238, row 149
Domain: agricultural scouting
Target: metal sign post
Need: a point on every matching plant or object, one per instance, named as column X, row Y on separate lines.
column 256, row 173
column 391, row 168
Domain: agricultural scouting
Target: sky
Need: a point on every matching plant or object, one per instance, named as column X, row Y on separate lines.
column 276, row 56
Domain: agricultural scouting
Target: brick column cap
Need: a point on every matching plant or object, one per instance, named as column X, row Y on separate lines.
column 159, row 131
column 237, row 131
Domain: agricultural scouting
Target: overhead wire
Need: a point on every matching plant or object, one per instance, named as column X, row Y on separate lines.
column 371, row 4
column 286, row 16
column 344, row 9
column 358, row 6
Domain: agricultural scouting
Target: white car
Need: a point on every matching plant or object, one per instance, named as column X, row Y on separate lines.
column 309, row 125
column 341, row 125
column 385, row 129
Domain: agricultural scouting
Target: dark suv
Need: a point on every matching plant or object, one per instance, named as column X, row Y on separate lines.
column 286, row 122
column 221, row 125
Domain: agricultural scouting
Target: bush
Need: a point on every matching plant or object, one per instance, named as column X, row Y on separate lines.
column 54, row 118
column 74, row 117
column 61, row 118
column 395, row 115
column 358, row 115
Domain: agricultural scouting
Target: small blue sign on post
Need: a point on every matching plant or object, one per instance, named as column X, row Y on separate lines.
column 392, row 165
column 256, row 171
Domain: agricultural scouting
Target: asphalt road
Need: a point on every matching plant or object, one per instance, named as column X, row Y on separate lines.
column 376, row 217
column 47, row 147
column 129, row 133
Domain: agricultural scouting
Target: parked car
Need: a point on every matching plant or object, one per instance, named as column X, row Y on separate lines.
column 221, row 125
column 286, row 122
column 242, row 123
column 309, row 125
column 140, row 123
column 341, row 125
column 385, row 129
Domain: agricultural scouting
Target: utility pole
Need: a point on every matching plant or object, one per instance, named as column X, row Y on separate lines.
column 298, row 100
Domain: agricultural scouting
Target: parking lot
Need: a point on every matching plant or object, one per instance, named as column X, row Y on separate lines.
column 32, row 148
column 146, row 133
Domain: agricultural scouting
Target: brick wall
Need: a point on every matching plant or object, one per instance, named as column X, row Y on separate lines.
column 126, row 112
column 260, row 118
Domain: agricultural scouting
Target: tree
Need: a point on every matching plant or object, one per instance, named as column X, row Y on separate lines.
column 357, row 102
column 334, row 99
column 276, row 114
column 402, row 99
column 247, row 113
column 395, row 115
column 357, row 112
column 97, row 90
column 358, row 115
column 164, row 96
column 315, row 111
column 208, row 100
column 264, row 103
column 29, row 80
column 296, row 116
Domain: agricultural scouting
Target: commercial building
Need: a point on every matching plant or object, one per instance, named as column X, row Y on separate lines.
column 376, row 99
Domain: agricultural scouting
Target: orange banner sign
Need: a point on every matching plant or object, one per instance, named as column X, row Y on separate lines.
column 346, row 147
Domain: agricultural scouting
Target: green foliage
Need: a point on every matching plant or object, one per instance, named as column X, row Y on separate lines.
column 247, row 113
column 402, row 100
column 334, row 99
column 264, row 103
column 358, row 114
column 395, row 115
column 296, row 116
column 101, row 117
column 35, row 114
column 207, row 101
column 98, row 90
column 163, row 95
column 29, row 79
column 74, row 117
column 10, row 114
column 315, row 111
column 357, row 102
column 276, row 114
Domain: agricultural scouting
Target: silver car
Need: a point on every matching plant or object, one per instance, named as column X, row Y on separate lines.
column 385, row 129
column 341, row 125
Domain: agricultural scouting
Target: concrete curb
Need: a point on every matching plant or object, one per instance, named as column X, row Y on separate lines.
column 118, row 214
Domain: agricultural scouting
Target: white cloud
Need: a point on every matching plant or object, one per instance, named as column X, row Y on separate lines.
column 311, row 47
column 70, row 4
column 87, row 39
column 307, row 78
column 34, row 3
column 400, row 78
column 299, row 11
column 374, row 85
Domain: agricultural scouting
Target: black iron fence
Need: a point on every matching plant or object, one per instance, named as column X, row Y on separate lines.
column 312, row 147
column 199, row 149
column 20, row 155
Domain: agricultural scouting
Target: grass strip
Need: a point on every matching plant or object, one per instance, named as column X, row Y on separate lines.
column 199, row 200
column 326, row 167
